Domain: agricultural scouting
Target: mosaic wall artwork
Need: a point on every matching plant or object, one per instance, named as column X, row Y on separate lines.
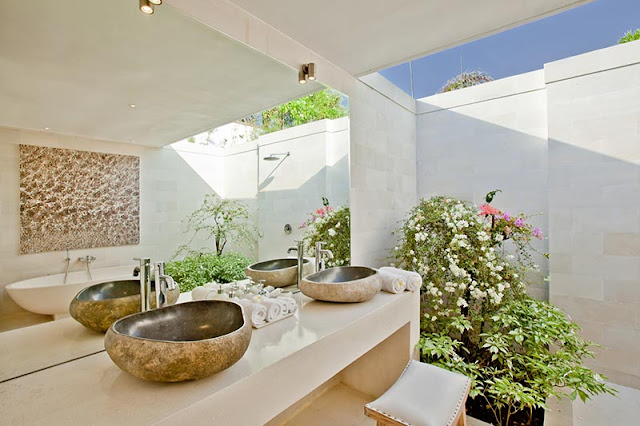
column 77, row 199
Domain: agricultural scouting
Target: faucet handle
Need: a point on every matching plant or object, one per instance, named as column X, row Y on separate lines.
column 143, row 260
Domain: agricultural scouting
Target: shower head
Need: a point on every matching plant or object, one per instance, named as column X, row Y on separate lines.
column 275, row 157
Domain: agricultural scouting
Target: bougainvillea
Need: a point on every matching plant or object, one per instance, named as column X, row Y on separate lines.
column 466, row 79
column 477, row 318
column 332, row 226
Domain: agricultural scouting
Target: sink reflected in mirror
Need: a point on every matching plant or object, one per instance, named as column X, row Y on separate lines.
column 100, row 305
column 345, row 284
column 187, row 341
column 278, row 272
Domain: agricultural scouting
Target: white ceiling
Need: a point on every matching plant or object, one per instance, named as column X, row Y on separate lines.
column 362, row 36
column 74, row 66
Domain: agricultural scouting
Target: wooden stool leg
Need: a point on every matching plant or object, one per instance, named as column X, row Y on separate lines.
column 462, row 420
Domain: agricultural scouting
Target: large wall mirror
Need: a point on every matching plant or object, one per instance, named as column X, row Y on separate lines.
column 124, row 135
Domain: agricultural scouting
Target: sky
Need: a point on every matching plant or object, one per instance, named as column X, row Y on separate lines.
column 527, row 48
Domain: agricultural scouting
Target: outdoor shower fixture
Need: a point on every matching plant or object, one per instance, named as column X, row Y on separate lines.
column 274, row 157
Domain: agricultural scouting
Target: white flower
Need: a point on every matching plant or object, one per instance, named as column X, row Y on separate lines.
column 411, row 252
column 499, row 237
column 462, row 303
column 332, row 232
column 338, row 225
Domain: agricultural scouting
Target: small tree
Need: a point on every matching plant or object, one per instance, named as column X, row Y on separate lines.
column 630, row 36
column 223, row 220
column 466, row 79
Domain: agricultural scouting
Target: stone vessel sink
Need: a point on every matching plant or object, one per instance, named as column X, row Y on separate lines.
column 342, row 284
column 278, row 272
column 100, row 305
column 186, row 341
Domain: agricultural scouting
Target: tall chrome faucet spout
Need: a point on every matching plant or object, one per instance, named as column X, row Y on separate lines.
column 145, row 283
column 164, row 283
column 320, row 254
column 299, row 249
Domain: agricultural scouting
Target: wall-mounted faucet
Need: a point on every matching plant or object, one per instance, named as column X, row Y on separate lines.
column 163, row 283
column 66, row 268
column 87, row 259
column 299, row 249
column 320, row 254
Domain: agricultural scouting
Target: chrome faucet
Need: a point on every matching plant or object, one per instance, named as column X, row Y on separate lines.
column 66, row 268
column 145, row 283
column 320, row 254
column 299, row 249
column 164, row 283
column 87, row 259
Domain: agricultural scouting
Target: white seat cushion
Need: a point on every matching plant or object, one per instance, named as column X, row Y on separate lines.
column 424, row 395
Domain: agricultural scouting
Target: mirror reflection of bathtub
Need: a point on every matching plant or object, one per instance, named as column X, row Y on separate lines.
column 50, row 295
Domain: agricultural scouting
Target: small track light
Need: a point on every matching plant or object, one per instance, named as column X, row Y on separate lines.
column 307, row 72
column 156, row 2
column 145, row 7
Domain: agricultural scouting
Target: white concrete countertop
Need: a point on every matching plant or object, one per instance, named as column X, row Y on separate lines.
column 284, row 362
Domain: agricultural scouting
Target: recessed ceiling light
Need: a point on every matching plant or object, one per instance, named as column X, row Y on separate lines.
column 46, row 128
column 133, row 105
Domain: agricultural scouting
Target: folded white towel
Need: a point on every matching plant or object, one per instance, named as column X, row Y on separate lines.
column 274, row 309
column 392, row 283
column 255, row 312
column 412, row 279
column 284, row 307
column 275, row 293
column 292, row 306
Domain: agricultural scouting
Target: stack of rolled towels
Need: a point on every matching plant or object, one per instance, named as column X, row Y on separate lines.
column 259, row 308
column 395, row 280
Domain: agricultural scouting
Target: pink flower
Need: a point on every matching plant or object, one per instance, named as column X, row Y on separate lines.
column 304, row 225
column 519, row 222
column 487, row 210
column 537, row 233
column 506, row 216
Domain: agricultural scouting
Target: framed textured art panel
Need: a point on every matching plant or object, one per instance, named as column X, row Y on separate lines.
column 77, row 199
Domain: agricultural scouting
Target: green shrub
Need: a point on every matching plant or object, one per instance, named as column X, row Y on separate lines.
column 477, row 318
column 630, row 36
column 194, row 271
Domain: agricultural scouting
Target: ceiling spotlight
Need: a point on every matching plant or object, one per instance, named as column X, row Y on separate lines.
column 307, row 72
column 145, row 7
column 133, row 106
column 156, row 2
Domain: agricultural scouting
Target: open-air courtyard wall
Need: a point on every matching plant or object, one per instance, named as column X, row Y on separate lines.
column 564, row 141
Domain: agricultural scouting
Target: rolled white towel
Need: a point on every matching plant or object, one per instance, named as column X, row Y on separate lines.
column 275, row 293
column 256, row 312
column 392, row 283
column 413, row 279
column 284, row 306
column 200, row 293
column 292, row 306
column 274, row 309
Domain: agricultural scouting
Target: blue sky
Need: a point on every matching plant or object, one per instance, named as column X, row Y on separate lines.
column 590, row 27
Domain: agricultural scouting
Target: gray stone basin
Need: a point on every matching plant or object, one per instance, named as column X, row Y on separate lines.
column 342, row 284
column 100, row 305
column 186, row 341
column 278, row 272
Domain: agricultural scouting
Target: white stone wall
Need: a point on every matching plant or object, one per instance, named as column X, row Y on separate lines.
column 492, row 136
column 594, row 201
column 564, row 141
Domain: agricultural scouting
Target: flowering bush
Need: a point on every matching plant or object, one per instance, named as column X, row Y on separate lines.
column 477, row 317
column 466, row 79
column 333, row 226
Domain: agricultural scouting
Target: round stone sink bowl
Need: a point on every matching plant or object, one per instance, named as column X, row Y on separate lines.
column 278, row 272
column 100, row 305
column 345, row 284
column 186, row 341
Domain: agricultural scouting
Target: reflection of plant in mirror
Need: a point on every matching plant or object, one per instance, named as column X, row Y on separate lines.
column 333, row 226
column 194, row 271
column 317, row 106
column 223, row 220
column 478, row 319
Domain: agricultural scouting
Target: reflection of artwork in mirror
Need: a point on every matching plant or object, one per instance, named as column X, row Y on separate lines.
column 77, row 199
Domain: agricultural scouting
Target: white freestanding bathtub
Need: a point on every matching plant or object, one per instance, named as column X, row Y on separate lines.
column 49, row 296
